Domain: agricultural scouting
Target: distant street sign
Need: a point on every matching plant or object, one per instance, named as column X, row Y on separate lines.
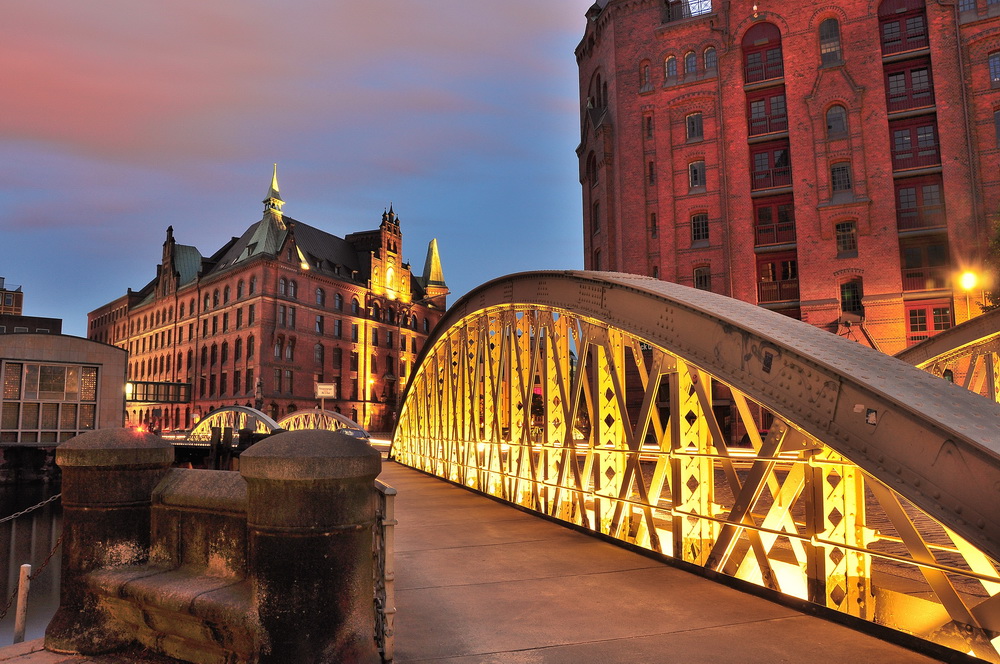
column 326, row 390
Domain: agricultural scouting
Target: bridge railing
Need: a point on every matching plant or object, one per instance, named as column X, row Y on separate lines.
column 384, row 551
column 675, row 429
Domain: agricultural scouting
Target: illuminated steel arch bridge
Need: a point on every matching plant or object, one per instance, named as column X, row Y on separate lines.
column 968, row 354
column 723, row 435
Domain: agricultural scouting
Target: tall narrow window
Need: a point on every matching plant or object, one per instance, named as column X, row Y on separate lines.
column 648, row 125
column 595, row 219
column 690, row 64
column 836, row 122
column 847, row 239
column 829, row 42
column 653, row 228
column 647, row 83
column 703, row 278
column 696, row 174
column 850, row 297
column 651, row 172
column 695, row 130
column 699, row 228
column 840, row 177
column 711, row 60
column 994, row 62
column 670, row 68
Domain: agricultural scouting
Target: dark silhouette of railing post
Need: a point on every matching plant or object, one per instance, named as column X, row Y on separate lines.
column 107, row 479
column 315, row 600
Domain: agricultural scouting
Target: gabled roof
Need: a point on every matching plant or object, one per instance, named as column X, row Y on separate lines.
column 320, row 249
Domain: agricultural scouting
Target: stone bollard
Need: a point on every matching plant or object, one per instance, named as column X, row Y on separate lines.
column 310, row 510
column 108, row 477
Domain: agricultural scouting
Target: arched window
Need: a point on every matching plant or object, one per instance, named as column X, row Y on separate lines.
column 237, row 349
column 427, row 326
column 994, row 65
column 318, row 354
column 277, row 349
column 191, row 308
column 355, row 306
column 690, row 64
column 215, row 354
column 670, row 68
column 829, row 42
column 592, row 169
column 282, row 286
column 206, row 303
column 338, row 302
column 253, row 285
column 646, row 80
column 376, row 312
column 215, row 298
column 703, row 277
column 239, row 289
column 293, row 289
column 290, row 350
column 320, row 297
column 250, row 347
column 711, row 59
column 836, row 122
column 225, row 295
column 762, row 58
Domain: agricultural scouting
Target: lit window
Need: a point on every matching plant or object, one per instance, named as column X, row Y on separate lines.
column 942, row 318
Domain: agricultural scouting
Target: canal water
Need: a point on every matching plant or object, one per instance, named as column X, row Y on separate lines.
column 29, row 539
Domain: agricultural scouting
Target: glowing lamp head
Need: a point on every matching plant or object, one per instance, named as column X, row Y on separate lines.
column 968, row 280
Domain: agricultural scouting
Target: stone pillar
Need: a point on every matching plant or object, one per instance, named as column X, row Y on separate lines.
column 310, row 510
column 108, row 477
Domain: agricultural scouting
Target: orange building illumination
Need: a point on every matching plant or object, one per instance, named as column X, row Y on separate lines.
column 268, row 316
column 833, row 162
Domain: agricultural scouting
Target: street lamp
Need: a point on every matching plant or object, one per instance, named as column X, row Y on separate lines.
column 968, row 281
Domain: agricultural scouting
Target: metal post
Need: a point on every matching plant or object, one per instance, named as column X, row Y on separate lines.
column 23, row 585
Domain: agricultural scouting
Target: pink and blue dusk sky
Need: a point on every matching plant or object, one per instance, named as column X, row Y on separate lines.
column 121, row 118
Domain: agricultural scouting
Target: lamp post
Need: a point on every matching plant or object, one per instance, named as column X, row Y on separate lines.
column 968, row 281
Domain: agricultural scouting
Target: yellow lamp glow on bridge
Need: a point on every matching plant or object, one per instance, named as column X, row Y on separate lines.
column 968, row 280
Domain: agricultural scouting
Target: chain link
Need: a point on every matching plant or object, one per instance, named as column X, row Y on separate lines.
column 34, row 575
column 31, row 509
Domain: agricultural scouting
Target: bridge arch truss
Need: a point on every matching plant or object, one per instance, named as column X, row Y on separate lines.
column 725, row 436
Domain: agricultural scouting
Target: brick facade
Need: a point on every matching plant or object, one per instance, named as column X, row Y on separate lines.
column 833, row 163
column 267, row 317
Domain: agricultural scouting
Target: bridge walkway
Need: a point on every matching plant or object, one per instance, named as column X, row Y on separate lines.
column 481, row 582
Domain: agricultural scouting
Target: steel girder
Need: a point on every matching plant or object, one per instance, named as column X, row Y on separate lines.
column 525, row 391
column 970, row 352
column 231, row 417
column 315, row 418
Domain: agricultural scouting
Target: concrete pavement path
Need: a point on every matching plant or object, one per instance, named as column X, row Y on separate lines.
column 479, row 582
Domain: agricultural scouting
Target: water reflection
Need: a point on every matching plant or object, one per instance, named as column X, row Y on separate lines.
column 29, row 539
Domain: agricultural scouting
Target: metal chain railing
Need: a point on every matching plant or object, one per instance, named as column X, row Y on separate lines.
column 31, row 509
column 48, row 558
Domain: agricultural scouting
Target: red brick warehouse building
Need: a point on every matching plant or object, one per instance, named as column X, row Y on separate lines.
column 269, row 315
column 835, row 162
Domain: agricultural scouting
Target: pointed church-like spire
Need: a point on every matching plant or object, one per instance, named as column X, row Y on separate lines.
column 433, row 277
column 273, row 200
